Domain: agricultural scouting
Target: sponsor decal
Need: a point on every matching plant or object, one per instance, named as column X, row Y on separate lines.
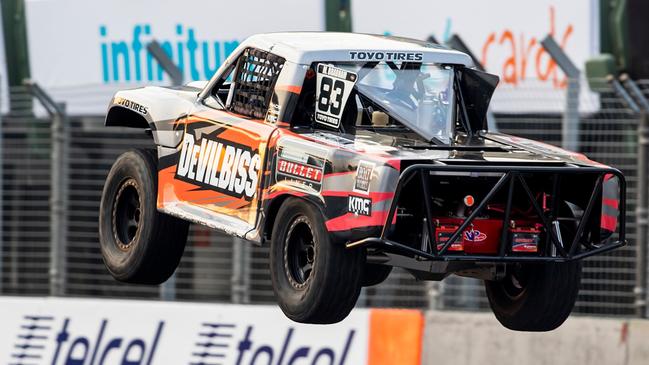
column 131, row 105
column 300, row 167
column 215, row 338
column 473, row 235
column 219, row 165
column 385, row 56
column 60, row 341
column 272, row 115
column 525, row 242
column 524, row 247
column 334, row 85
column 363, row 177
column 32, row 337
column 79, row 350
column 212, row 342
column 203, row 53
column 299, row 170
column 359, row 205
column 116, row 332
column 64, row 341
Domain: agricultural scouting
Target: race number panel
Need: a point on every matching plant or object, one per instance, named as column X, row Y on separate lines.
column 332, row 91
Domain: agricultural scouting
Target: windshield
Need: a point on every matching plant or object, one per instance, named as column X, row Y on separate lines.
column 418, row 95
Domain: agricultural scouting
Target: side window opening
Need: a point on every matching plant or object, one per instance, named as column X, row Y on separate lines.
column 304, row 115
column 359, row 111
column 223, row 88
column 398, row 97
column 254, row 81
column 220, row 92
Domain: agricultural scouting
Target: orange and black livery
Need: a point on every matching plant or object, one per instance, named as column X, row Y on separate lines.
column 351, row 154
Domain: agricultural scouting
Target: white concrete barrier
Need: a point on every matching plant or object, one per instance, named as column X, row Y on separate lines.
column 462, row 338
column 73, row 331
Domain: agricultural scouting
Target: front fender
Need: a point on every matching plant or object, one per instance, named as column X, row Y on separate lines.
column 127, row 110
column 153, row 107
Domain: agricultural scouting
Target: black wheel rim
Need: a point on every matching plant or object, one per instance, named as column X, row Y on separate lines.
column 299, row 252
column 126, row 214
column 516, row 281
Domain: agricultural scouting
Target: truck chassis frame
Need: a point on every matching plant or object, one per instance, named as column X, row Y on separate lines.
column 434, row 260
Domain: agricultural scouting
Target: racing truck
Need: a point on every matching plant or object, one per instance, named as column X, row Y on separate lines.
column 348, row 155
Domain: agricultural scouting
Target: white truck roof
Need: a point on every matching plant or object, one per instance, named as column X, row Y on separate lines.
column 308, row 47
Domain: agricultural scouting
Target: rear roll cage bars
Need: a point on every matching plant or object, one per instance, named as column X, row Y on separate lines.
column 511, row 176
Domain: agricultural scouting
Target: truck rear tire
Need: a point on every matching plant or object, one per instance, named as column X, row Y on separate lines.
column 138, row 244
column 375, row 274
column 314, row 279
column 535, row 297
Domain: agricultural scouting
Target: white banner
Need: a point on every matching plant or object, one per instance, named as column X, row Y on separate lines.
column 82, row 51
column 92, row 332
column 4, row 88
column 505, row 36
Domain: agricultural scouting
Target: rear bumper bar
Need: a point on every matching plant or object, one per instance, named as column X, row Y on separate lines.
column 510, row 177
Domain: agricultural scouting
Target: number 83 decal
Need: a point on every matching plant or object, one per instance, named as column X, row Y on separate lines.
column 330, row 95
column 334, row 86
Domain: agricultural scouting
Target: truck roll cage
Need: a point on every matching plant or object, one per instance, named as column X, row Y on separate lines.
column 510, row 177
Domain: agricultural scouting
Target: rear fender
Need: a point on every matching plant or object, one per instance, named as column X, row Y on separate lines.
column 267, row 221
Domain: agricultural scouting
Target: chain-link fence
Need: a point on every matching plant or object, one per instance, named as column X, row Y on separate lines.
column 218, row 268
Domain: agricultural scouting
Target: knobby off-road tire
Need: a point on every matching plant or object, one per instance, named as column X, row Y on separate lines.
column 314, row 279
column 138, row 244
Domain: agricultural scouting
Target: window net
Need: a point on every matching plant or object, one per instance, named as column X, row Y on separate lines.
column 255, row 78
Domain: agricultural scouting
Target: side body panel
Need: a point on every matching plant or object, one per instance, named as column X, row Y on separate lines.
column 214, row 175
column 353, row 190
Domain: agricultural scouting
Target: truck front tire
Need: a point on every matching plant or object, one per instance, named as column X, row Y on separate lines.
column 138, row 244
column 314, row 279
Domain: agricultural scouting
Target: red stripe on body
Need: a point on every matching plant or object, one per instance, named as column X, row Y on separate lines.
column 349, row 221
column 608, row 222
column 375, row 196
column 613, row 203
column 394, row 163
column 275, row 194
